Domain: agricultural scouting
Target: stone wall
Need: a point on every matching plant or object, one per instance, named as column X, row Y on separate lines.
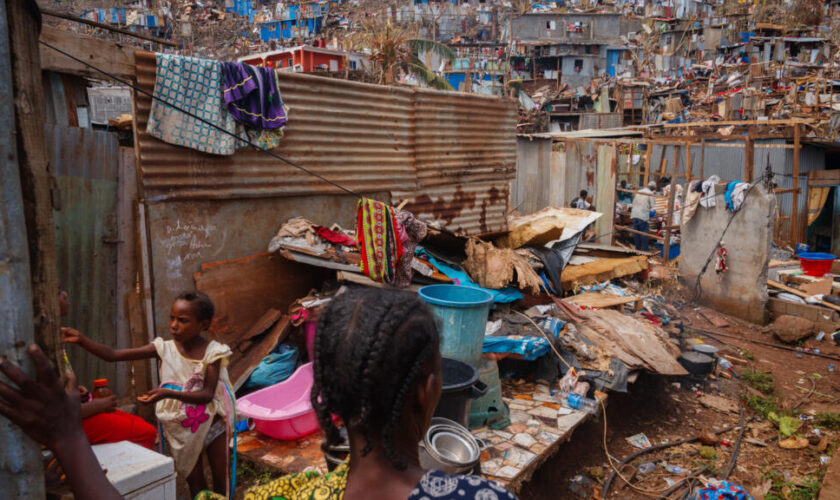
column 742, row 291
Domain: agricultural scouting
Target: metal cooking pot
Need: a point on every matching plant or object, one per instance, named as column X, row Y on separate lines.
column 449, row 447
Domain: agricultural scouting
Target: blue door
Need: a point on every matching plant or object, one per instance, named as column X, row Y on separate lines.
column 612, row 60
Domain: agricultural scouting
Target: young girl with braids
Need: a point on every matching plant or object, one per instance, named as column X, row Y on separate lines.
column 377, row 365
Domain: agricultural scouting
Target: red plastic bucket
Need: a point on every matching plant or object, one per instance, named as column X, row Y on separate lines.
column 816, row 263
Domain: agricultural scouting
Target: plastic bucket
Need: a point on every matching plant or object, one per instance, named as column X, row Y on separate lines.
column 816, row 263
column 460, row 386
column 463, row 312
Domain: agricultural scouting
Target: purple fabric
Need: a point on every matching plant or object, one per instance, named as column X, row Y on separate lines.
column 251, row 96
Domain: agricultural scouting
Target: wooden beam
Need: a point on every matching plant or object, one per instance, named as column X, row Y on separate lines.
column 794, row 226
column 631, row 230
column 738, row 123
column 799, row 293
column 35, row 176
column 112, row 57
column 749, row 158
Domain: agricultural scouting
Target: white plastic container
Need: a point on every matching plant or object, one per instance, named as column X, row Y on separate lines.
column 138, row 473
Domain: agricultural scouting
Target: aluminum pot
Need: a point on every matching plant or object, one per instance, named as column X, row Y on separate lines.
column 449, row 447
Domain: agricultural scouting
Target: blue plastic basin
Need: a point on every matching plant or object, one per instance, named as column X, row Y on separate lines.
column 462, row 312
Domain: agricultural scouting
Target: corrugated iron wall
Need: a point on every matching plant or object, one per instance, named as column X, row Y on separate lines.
column 357, row 135
column 450, row 155
column 85, row 164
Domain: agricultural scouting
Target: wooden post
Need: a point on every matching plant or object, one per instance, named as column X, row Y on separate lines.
column 687, row 166
column 648, row 155
column 794, row 220
column 23, row 19
column 749, row 158
column 669, row 216
column 702, row 158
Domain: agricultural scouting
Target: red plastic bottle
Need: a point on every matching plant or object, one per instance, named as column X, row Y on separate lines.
column 100, row 388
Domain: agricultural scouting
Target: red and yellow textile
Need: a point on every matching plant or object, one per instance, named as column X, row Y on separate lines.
column 379, row 242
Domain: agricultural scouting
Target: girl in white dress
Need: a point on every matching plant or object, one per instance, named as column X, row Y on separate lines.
column 193, row 402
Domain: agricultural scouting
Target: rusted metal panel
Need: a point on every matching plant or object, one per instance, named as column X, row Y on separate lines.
column 85, row 165
column 464, row 138
column 469, row 209
column 185, row 234
column 357, row 135
column 596, row 121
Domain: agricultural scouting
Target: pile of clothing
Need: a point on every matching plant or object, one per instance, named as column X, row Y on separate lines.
column 215, row 107
column 702, row 193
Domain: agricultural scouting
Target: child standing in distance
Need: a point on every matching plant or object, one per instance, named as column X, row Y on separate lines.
column 192, row 402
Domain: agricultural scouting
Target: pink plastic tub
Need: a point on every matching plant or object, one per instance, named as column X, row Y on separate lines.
column 284, row 410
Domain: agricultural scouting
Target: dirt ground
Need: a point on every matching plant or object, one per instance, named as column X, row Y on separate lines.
column 667, row 409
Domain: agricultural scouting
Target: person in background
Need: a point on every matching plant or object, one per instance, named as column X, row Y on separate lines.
column 624, row 197
column 101, row 420
column 377, row 366
column 581, row 202
column 643, row 210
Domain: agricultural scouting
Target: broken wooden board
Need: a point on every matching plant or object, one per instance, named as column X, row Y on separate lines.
column 527, row 230
column 719, row 403
column 115, row 58
column 713, row 318
column 799, row 293
column 643, row 340
column 242, row 364
column 262, row 325
column 600, row 300
column 824, row 319
column 796, row 277
column 244, row 289
column 819, row 287
column 361, row 279
column 602, row 270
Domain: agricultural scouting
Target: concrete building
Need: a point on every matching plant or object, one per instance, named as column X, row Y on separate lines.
column 307, row 59
column 570, row 49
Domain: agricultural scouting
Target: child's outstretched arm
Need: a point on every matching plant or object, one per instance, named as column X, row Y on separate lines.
column 104, row 352
column 202, row 397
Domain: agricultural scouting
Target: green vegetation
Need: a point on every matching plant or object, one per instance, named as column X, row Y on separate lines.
column 782, row 489
column 764, row 406
column 759, row 381
column 828, row 420
column 748, row 354
column 248, row 474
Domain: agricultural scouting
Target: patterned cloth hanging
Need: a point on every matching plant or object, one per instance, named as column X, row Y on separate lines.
column 379, row 242
column 720, row 261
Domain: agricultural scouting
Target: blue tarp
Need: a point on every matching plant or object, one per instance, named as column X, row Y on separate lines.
column 530, row 348
column 502, row 296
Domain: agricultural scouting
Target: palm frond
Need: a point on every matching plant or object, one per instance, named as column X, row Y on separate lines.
column 428, row 76
column 430, row 46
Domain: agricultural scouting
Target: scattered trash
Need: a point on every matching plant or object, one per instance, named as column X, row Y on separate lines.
column 647, row 468
column 794, row 443
column 639, row 441
column 825, row 459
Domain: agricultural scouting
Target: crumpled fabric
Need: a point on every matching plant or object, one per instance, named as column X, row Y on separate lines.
column 708, row 200
column 739, row 192
column 691, row 202
column 724, row 491
column 336, row 237
column 411, row 231
column 727, row 195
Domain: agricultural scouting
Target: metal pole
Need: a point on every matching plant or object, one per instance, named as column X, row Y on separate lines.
column 21, row 472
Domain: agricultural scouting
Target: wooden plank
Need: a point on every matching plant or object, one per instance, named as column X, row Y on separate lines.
column 794, row 225
column 601, row 270
column 244, row 289
column 600, row 300
column 112, row 57
column 792, row 122
column 798, row 293
column 631, row 230
column 140, row 371
column 749, row 158
column 35, row 177
column 244, row 363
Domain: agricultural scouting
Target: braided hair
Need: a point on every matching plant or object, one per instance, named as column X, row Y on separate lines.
column 369, row 349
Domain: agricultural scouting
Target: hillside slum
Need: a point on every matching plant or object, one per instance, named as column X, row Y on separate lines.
column 490, row 159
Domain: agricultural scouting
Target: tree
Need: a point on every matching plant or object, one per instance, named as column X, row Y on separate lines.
column 393, row 50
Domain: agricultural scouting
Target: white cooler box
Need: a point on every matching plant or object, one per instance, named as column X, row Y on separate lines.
column 138, row 473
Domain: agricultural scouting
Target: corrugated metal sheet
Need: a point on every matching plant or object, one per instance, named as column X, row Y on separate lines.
column 475, row 208
column 438, row 149
column 589, row 121
column 357, row 135
column 581, row 163
column 533, row 184
column 85, row 165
